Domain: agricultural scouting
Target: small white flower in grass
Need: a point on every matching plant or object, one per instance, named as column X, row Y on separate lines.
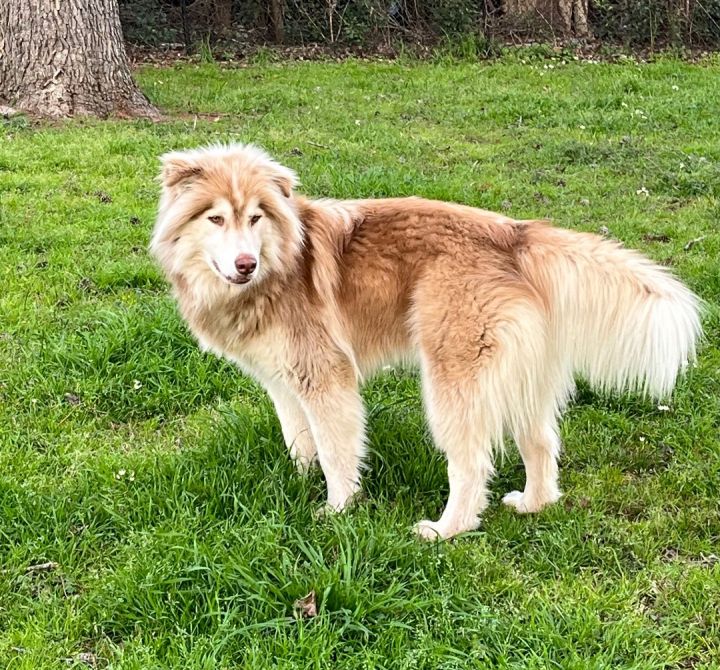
column 33, row 401
column 582, row 127
column 663, row 408
column 137, row 384
column 641, row 438
column 120, row 473
column 642, row 192
column 358, row 122
column 675, row 87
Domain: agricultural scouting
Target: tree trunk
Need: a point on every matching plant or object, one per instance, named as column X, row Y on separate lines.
column 520, row 7
column 276, row 18
column 223, row 16
column 66, row 57
column 185, row 25
column 574, row 17
column 566, row 16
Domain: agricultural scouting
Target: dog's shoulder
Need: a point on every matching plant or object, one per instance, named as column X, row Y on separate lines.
column 329, row 224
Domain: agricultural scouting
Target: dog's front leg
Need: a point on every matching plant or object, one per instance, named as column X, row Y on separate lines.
column 295, row 427
column 337, row 420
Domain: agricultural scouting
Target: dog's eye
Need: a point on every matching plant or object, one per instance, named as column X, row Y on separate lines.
column 217, row 220
column 254, row 219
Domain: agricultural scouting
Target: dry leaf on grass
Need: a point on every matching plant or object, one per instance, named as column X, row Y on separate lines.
column 305, row 607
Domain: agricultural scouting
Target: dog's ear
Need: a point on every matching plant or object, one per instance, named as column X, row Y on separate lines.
column 285, row 179
column 178, row 166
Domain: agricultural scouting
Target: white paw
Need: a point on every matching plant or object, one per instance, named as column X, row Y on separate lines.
column 339, row 500
column 515, row 499
column 526, row 505
column 428, row 530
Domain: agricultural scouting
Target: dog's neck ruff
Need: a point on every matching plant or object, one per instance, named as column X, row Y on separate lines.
column 227, row 314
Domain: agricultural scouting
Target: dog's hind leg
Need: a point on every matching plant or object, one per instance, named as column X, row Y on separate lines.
column 539, row 446
column 482, row 342
column 457, row 428
column 536, row 434
column 295, row 426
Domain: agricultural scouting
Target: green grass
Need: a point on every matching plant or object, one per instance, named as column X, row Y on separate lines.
column 155, row 475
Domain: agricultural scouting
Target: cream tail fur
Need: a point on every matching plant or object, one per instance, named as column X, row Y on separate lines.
column 617, row 319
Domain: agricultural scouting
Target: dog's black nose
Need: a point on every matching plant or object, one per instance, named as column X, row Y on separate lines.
column 245, row 264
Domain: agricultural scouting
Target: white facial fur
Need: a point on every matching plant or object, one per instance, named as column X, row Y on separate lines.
column 235, row 182
column 233, row 236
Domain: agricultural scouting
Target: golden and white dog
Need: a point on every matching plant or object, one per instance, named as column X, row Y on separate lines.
column 309, row 296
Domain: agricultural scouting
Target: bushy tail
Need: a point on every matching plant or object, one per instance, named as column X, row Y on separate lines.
column 617, row 318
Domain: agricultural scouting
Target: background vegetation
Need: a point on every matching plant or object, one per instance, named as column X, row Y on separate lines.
column 373, row 24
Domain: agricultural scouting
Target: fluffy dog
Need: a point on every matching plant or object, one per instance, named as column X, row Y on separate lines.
column 309, row 296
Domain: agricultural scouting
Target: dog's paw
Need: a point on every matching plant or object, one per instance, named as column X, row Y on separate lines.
column 515, row 499
column 525, row 505
column 324, row 512
column 304, row 465
column 304, row 454
column 342, row 504
column 428, row 530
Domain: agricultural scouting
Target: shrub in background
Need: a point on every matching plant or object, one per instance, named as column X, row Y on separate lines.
column 369, row 23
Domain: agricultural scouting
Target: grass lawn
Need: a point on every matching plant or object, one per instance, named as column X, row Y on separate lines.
column 155, row 476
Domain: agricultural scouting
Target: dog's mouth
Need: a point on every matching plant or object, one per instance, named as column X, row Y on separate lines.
column 236, row 279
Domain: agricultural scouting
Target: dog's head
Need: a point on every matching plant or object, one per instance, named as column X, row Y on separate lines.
column 226, row 216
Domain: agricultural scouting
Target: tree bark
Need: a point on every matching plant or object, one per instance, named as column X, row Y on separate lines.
column 566, row 16
column 185, row 25
column 520, row 7
column 574, row 17
column 223, row 15
column 67, row 57
column 276, row 18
